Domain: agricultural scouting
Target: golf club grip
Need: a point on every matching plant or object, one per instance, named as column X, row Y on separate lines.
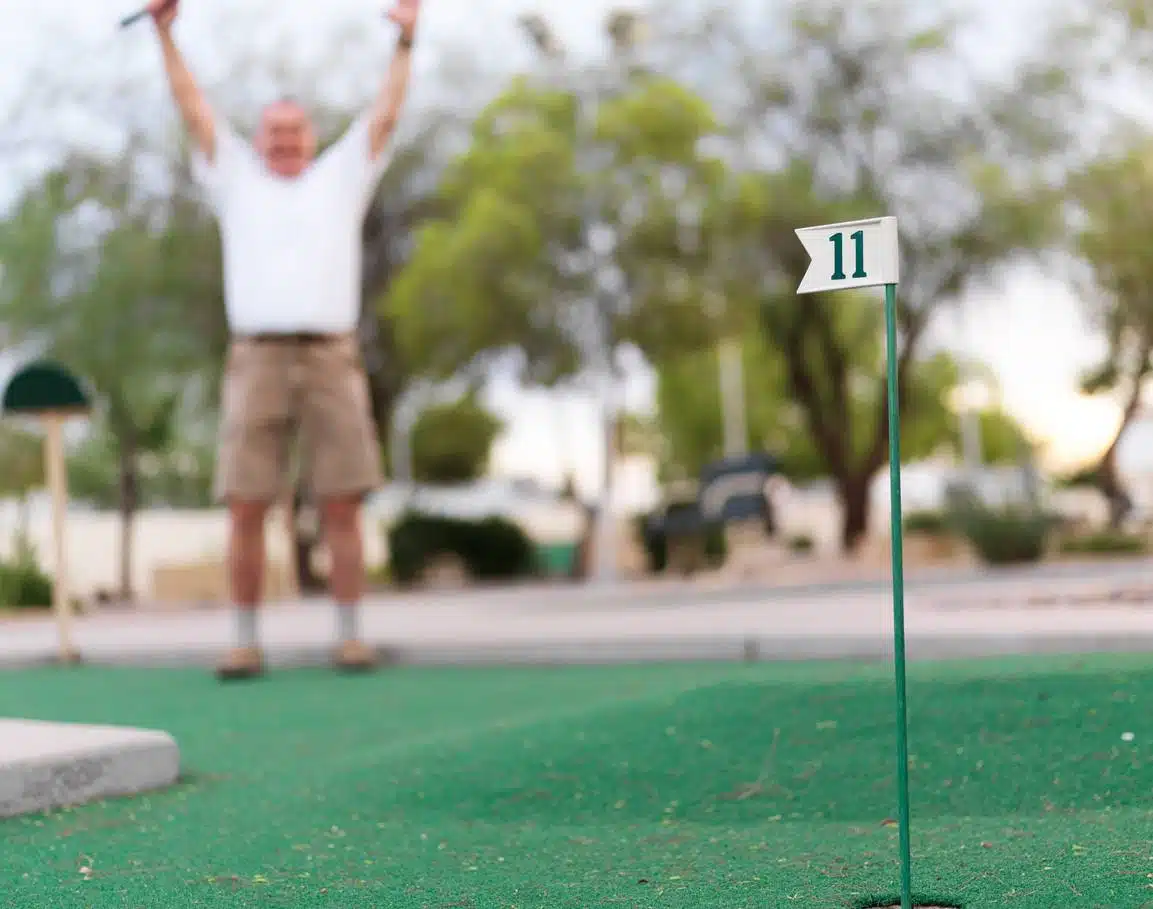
column 147, row 11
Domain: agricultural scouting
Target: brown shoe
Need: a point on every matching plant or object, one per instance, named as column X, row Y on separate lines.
column 240, row 663
column 355, row 656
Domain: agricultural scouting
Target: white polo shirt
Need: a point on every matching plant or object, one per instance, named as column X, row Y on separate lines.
column 292, row 247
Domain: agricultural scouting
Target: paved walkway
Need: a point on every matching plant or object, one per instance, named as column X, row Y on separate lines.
column 1003, row 614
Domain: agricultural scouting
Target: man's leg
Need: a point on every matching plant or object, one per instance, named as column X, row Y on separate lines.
column 246, row 583
column 344, row 464
column 342, row 534
column 252, row 461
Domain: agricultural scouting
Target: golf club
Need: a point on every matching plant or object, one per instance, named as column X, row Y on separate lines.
column 139, row 14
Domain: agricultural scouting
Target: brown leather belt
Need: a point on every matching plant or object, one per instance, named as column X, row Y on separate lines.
column 291, row 337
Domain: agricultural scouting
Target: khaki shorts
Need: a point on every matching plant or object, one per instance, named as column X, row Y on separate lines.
column 311, row 390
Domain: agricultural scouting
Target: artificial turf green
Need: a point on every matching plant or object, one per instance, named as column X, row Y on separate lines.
column 682, row 786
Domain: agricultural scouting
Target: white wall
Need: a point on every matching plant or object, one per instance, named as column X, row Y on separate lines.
column 169, row 536
column 165, row 536
column 161, row 537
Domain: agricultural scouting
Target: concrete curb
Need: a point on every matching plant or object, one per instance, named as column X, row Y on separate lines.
column 1130, row 596
column 669, row 649
column 53, row 765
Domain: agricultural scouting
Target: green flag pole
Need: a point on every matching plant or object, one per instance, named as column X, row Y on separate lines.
column 874, row 247
column 898, row 595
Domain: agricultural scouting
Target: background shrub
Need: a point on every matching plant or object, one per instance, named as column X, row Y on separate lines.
column 801, row 544
column 1105, row 542
column 491, row 549
column 929, row 522
column 1005, row 536
column 23, row 583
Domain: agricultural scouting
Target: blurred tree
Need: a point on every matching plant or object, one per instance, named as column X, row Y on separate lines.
column 123, row 290
column 1002, row 438
column 21, row 468
column 639, row 435
column 93, row 472
column 405, row 199
column 21, row 461
column 690, row 420
column 178, row 475
column 849, row 118
column 451, row 443
column 1120, row 35
column 1112, row 202
column 563, row 237
column 1077, row 478
column 532, row 253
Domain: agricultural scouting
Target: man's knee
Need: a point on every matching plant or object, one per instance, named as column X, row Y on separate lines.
column 341, row 513
column 247, row 517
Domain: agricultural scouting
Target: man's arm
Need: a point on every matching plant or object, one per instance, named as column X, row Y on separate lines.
column 386, row 109
column 190, row 100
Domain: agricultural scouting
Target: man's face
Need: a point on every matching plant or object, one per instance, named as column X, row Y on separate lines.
column 286, row 140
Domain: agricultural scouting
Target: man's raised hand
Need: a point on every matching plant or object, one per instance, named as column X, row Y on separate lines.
column 404, row 15
column 386, row 108
column 163, row 12
column 194, row 108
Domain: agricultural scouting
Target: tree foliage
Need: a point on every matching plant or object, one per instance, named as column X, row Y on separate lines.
column 555, row 240
column 1110, row 200
column 847, row 120
column 175, row 471
column 125, row 290
column 690, row 410
column 535, row 252
column 451, row 443
column 21, row 461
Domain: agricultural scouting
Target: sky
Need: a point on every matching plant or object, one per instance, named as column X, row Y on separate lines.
column 1028, row 329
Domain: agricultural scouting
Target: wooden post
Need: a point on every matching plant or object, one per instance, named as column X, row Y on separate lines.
column 58, row 488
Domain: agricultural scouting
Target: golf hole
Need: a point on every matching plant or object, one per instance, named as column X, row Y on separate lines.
column 897, row 905
column 889, row 903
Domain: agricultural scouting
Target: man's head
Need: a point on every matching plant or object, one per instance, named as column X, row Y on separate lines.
column 286, row 140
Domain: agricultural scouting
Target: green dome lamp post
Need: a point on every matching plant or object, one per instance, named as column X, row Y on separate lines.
column 50, row 394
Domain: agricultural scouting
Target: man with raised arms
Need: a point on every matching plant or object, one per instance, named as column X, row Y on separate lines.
column 290, row 222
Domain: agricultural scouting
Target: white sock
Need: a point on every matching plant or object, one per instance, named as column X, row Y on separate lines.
column 346, row 622
column 246, row 627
